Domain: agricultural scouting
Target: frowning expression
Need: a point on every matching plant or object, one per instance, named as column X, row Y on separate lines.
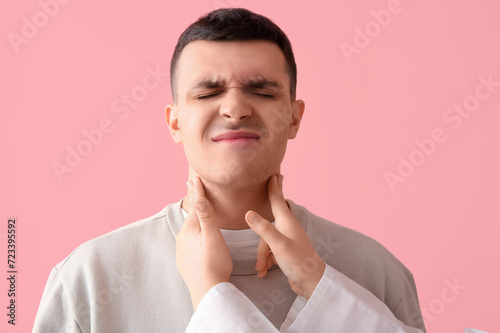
column 234, row 114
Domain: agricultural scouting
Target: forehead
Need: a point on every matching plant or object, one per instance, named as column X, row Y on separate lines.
column 230, row 61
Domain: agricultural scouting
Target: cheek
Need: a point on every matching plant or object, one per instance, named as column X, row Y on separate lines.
column 193, row 125
column 278, row 124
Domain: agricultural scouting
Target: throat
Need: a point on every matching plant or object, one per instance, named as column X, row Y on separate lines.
column 231, row 205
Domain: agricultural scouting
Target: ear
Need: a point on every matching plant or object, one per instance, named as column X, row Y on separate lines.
column 173, row 122
column 298, row 108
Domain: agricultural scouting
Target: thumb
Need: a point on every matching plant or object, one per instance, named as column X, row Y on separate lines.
column 263, row 228
column 204, row 211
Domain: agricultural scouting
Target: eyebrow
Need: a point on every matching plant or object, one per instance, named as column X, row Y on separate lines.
column 208, row 83
column 262, row 83
column 258, row 83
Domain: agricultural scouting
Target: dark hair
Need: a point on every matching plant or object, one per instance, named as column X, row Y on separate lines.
column 234, row 24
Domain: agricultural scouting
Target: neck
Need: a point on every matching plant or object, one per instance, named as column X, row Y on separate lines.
column 230, row 204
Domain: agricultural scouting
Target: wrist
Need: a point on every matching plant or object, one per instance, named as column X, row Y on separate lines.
column 199, row 293
column 314, row 280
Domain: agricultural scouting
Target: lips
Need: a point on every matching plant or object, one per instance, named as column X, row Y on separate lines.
column 236, row 135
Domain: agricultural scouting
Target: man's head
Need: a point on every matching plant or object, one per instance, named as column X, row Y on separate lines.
column 234, row 111
column 234, row 24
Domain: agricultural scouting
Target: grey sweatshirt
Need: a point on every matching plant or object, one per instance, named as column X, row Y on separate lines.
column 127, row 280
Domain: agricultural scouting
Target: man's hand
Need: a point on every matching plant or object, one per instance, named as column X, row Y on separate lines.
column 203, row 258
column 291, row 249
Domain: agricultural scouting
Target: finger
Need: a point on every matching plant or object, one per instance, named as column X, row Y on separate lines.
column 270, row 262
column 280, row 183
column 278, row 204
column 205, row 212
column 198, row 190
column 263, row 252
column 264, row 229
column 190, row 203
column 198, row 186
column 191, row 222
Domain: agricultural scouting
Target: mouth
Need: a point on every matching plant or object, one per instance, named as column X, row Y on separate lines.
column 236, row 136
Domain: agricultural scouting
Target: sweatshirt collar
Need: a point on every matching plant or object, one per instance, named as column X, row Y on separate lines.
column 175, row 220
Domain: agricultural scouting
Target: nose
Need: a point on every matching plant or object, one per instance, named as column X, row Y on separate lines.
column 234, row 106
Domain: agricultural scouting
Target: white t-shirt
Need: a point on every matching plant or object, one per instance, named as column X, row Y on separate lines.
column 242, row 244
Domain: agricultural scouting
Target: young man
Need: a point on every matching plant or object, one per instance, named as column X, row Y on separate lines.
column 197, row 265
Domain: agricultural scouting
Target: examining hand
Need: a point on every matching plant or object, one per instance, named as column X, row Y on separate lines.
column 203, row 258
column 291, row 249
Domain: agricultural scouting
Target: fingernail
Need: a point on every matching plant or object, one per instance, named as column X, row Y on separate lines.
column 201, row 204
column 252, row 217
column 280, row 177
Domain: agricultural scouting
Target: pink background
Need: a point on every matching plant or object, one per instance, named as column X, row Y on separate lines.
column 362, row 112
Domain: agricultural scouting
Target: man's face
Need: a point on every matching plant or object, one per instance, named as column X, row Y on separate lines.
column 234, row 114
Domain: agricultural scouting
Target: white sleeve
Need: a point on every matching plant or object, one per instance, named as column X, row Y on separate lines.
column 226, row 309
column 339, row 304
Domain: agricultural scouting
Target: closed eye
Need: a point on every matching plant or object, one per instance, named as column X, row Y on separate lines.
column 264, row 95
column 206, row 96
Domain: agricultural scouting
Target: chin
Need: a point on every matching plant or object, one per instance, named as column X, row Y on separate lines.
column 231, row 172
column 242, row 179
